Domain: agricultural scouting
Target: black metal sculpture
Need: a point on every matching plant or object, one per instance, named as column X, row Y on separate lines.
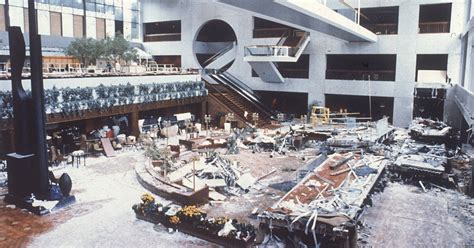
column 28, row 167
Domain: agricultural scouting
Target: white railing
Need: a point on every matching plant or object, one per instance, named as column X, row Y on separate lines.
column 78, row 70
column 278, row 50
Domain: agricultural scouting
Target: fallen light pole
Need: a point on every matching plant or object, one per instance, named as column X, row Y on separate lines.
column 207, row 120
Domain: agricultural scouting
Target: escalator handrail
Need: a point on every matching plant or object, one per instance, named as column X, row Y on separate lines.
column 233, row 110
column 218, row 54
column 244, row 91
column 240, row 84
column 245, row 96
column 252, row 95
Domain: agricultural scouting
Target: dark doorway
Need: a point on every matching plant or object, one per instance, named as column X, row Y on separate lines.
column 381, row 106
column 118, row 26
column 434, row 18
column 429, row 103
column 174, row 60
column 286, row 102
column 376, row 67
column 434, row 62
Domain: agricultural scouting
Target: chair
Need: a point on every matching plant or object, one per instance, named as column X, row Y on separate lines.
column 77, row 156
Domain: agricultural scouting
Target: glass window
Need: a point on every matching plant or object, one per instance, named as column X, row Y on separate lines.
column 118, row 3
column 78, row 4
column 134, row 30
column 100, row 1
column 109, row 2
column 42, row 1
column 55, row 24
column 118, row 14
column 78, row 26
column 55, row 2
column 134, row 4
column 100, row 8
column 67, row 3
column 90, row 6
column 135, row 16
column 109, row 9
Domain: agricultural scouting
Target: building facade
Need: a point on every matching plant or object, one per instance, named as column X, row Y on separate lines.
column 65, row 18
column 410, row 53
column 418, row 49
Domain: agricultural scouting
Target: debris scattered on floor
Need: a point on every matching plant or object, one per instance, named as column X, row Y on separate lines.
column 306, row 184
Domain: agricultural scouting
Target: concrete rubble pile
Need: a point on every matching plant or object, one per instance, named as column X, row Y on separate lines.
column 333, row 194
column 427, row 151
column 221, row 175
column 346, row 164
column 429, row 130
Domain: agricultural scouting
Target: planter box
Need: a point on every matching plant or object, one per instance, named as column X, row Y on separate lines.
column 196, row 232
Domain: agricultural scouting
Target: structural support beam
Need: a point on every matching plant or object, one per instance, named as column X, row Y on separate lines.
column 306, row 15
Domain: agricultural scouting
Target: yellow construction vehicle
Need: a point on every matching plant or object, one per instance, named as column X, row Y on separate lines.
column 319, row 115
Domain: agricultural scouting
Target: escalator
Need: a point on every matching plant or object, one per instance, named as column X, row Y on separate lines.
column 237, row 97
column 222, row 58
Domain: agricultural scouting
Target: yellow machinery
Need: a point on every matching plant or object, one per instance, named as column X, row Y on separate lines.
column 319, row 115
column 322, row 115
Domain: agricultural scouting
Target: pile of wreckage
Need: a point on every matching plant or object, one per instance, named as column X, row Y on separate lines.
column 327, row 201
column 428, row 152
column 347, row 164
column 220, row 175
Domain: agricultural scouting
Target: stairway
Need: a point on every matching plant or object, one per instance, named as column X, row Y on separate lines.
column 236, row 98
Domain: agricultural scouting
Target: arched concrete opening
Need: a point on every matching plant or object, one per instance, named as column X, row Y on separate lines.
column 215, row 45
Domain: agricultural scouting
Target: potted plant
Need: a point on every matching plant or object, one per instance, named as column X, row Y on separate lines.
column 154, row 153
column 160, row 157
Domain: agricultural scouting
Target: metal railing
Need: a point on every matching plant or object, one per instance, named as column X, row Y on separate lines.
column 162, row 37
column 78, row 70
column 278, row 50
column 218, row 54
column 433, row 27
column 382, row 28
column 162, row 68
column 375, row 75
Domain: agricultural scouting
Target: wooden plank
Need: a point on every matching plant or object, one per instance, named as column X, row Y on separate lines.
column 108, row 149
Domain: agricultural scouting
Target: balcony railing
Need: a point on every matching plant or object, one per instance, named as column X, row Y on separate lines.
column 70, row 100
column 284, row 51
column 277, row 50
column 162, row 37
column 382, row 28
column 67, row 70
column 433, row 27
column 379, row 75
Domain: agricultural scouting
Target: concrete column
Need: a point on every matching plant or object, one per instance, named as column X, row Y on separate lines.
column 67, row 23
column 44, row 27
column 133, row 122
column 91, row 27
column 110, row 27
column 402, row 111
column 17, row 17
